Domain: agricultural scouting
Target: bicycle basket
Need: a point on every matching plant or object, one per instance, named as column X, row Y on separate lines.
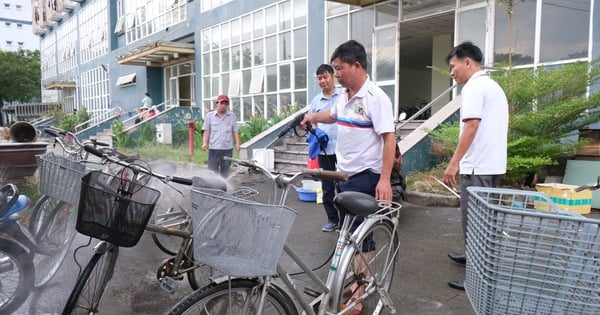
column 525, row 261
column 60, row 177
column 238, row 237
column 107, row 213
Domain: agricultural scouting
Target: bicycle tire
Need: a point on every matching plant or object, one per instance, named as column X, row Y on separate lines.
column 52, row 227
column 167, row 243
column 353, row 273
column 91, row 283
column 15, row 276
column 214, row 299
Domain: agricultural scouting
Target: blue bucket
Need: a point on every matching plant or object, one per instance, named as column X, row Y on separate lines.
column 306, row 195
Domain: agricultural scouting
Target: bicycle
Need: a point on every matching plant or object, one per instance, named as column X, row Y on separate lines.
column 522, row 259
column 128, row 192
column 360, row 273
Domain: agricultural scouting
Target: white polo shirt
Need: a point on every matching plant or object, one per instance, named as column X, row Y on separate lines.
column 482, row 98
column 361, row 121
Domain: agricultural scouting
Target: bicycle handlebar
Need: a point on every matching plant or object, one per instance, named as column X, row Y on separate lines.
column 592, row 186
column 315, row 173
column 180, row 180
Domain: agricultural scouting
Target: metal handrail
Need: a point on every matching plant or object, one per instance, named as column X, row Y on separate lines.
column 425, row 108
column 98, row 119
column 162, row 107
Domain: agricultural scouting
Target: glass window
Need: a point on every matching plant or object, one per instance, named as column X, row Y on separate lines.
column 258, row 24
column 271, row 78
column 216, row 37
column 235, row 31
column 225, row 34
column 523, row 38
column 271, row 105
column 299, row 13
column 285, row 100
column 246, row 28
column 259, row 105
column 337, row 33
column 206, row 87
column 247, row 106
column 215, row 62
column 225, row 59
column 299, row 100
column 235, row 57
column 206, row 40
column 246, row 78
column 285, row 39
column 565, row 29
column 300, row 74
column 362, row 23
column 259, row 55
column 300, row 43
column 284, row 77
column 206, row 63
column 271, row 47
column 247, row 55
column 216, row 88
column 285, row 15
column 470, row 27
column 386, row 13
column 271, row 20
column 385, row 57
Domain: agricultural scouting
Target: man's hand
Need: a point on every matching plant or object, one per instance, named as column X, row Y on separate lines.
column 237, row 147
column 450, row 174
column 204, row 146
column 383, row 191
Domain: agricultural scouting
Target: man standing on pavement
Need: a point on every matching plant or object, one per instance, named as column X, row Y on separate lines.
column 480, row 155
column 220, row 127
column 365, row 141
column 327, row 160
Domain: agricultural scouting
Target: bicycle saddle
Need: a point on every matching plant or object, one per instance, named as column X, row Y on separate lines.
column 355, row 203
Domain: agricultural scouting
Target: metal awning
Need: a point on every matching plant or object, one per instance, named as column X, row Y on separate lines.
column 158, row 54
column 361, row 3
column 59, row 85
column 126, row 79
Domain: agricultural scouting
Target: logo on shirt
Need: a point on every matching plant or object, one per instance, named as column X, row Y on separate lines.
column 359, row 109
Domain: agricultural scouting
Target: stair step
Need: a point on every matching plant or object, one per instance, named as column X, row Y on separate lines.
column 289, row 161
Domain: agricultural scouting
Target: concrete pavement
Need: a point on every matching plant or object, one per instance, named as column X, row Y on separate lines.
column 419, row 286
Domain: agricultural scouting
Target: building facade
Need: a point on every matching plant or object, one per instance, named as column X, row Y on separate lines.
column 263, row 53
column 15, row 25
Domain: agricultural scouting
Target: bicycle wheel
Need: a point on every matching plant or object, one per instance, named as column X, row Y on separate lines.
column 16, row 278
column 91, row 283
column 378, row 246
column 238, row 296
column 171, row 218
column 52, row 227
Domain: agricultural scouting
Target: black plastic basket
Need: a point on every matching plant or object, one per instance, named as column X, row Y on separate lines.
column 108, row 212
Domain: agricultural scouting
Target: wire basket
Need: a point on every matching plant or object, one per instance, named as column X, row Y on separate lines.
column 60, row 177
column 525, row 261
column 108, row 212
column 238, row 237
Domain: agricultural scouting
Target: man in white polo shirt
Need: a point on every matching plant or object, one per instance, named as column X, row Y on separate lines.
column 480, row 155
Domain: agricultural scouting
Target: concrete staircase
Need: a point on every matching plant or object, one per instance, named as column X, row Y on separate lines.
column 104, row 136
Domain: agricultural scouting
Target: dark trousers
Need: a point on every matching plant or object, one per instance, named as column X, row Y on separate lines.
column 365, row 182
column 217, row 164
column 468, row 181
column 327, row 162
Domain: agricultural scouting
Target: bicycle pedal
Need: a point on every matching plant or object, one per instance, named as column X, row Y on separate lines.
column 169, row 284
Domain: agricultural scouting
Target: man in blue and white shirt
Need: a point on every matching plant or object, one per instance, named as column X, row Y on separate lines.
column 327, row 159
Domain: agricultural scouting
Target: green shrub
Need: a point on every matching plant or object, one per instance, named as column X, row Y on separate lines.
column 120, row 138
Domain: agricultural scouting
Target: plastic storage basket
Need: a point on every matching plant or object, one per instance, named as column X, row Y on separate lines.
column 524, row 261
column 108, row 213
column 60, row 177
column 238, row 237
